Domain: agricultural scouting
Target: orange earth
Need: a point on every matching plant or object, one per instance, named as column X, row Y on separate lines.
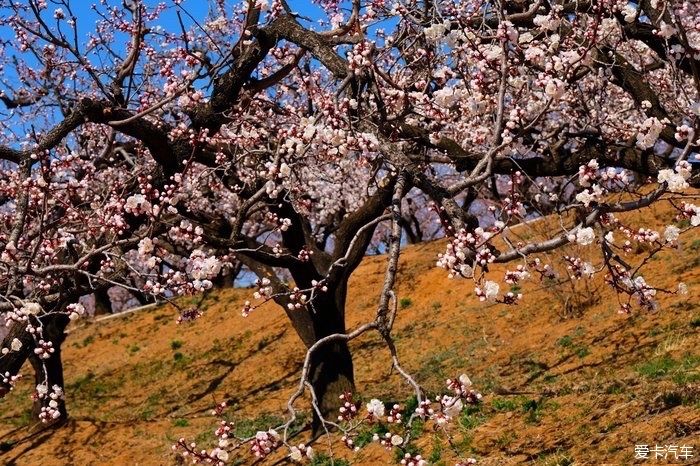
column 566, row 379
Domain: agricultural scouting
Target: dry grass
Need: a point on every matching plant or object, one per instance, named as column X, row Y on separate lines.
column 564, row 383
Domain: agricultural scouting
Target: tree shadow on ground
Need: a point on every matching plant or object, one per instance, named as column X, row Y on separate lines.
column 36, row 434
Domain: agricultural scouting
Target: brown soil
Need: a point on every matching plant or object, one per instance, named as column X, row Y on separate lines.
column 566, row 379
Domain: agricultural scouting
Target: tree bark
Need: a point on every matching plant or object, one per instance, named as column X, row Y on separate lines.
column 331, row 370
column 226, row 279
column 103, row 303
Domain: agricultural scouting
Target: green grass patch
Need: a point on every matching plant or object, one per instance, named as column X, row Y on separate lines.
column 23, row 419
column 400, row 453
column 432, row 369
column 681, row 371
column 366, row 436
column 579, row 349
column 505, row 440
column 471, row 417
column 405, row 302
column 176, row 344
column 533, row 411
column 91, row 387
column 181, row 422
column 436, row 452
column 504, row 404
column 248, row 427
column 565, row 342
column 321, row 459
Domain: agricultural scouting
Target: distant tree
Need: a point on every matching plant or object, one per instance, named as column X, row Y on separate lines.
column 163, row 148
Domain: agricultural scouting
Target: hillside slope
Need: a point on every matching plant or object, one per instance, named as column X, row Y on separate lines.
column 566, row 379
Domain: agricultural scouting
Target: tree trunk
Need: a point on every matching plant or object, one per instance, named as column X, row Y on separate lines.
column 103, row 303
column 226, row 279
column 331, row 375
column 331, row 370
column 51, row 370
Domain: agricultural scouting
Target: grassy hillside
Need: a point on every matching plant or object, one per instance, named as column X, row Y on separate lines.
column 566, row 379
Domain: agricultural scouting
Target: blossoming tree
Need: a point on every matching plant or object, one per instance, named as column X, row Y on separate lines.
column 164, row 148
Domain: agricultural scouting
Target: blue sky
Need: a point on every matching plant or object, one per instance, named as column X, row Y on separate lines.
column 87, row 18
column 197, row 8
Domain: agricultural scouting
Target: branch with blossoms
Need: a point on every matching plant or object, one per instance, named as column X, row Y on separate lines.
column 392, row 428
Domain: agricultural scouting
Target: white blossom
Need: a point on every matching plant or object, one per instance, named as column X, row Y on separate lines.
column 491, row 290
column 630, row 13
column 675, row 181
column 555, row 88
column 649, row 133
column 446, row 97
column 137, row 204
column 666, row 30
column 31, row 308
column 587, row 270
column 466, row 270
column 285, row 170
column 587, row 196
column 585, row 236
column 375, row 408
column 435, row 32
column 75, row 311
column 295, row 454
column 202, row 267
column 16, row 345
column 546, row 22
column 452, row 406
column 671, row 233
column 146, row 246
